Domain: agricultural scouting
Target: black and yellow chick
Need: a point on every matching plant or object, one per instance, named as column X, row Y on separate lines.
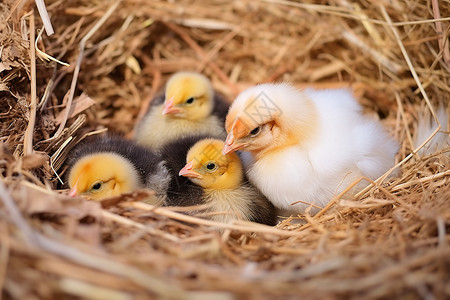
column 110, row 166
column 224, row 185
column 181, row 191
column 189, row 106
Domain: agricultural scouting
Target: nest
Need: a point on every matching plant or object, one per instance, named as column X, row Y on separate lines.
column 389, row 241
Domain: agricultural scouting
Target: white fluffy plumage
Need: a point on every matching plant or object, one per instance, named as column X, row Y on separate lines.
column 426, row 125
column 307, row 145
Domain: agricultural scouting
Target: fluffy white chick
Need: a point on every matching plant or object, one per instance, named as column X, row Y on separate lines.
column 306, row 146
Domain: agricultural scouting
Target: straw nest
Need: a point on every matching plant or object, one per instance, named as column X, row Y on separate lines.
column 390, row 241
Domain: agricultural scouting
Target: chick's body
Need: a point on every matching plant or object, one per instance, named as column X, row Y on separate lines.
column 189, row 107
column 242, row 203
column 224, row 185
column 306, row 146
column 109, row 166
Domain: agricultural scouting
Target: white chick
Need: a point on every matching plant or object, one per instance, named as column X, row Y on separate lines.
column 306, row 146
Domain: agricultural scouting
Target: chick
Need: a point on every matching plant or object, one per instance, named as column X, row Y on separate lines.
column 306, row 146
column 109, row 166
column 224, row 186
column 181, row 191
column 190, row 107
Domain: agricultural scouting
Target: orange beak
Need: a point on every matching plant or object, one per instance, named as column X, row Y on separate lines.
column 169, row 108
column 231, row 145
column 187, row 171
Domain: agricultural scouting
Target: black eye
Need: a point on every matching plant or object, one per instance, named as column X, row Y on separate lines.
column 97, row 186
column 255, row 131
column 190, row 100
column 211, row 166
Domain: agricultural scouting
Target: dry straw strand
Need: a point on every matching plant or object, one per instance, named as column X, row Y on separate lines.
column 443, row 41
column 253, row 228
column 44, row 16
column 76, row 72
column 28, row 138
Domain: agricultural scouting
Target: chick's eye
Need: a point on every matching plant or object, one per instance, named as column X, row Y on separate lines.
column 211, row 166
column 190, row 100
column 97, row 186
column 255, row 131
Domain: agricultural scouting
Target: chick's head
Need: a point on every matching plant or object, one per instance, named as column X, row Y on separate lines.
column 267, row 117
column 102, row 175
column 253, row 121
column 189, row 95
column 209, row 168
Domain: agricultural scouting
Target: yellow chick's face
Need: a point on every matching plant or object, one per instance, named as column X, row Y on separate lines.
column 102, row 175
column 188, row 95
column 209, row 168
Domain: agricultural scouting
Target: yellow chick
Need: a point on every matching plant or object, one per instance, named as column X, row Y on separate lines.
column 107, row 167
column 225, row 188
column 190, row 107
column 102, row 175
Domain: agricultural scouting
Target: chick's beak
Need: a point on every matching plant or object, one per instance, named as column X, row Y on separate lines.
column 187, row 171
column 169, row 107
column 231, row 145
column 73, row 191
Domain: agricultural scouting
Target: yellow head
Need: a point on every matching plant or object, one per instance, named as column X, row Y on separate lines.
column 102, row 175
column 268, row 117
column 209, row 168
column 189, row 95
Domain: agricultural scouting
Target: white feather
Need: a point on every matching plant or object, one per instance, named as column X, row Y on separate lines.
column 426, row 125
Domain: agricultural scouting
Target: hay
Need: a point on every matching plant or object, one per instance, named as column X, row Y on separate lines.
column 391, row 241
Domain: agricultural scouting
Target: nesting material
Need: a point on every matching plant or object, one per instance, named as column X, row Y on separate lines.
column 389, row 241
